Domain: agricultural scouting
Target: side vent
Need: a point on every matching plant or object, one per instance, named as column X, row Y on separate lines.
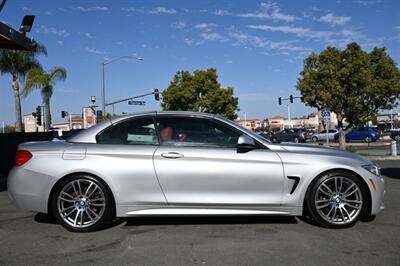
column 296, row 180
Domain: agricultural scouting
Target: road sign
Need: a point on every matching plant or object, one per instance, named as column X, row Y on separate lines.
column 326, row 116
column 136, row 102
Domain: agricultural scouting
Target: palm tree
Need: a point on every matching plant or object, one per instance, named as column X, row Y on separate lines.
column 17, row 63
column 38, row 79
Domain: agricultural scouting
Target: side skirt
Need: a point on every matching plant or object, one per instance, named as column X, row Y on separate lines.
column 131, row 211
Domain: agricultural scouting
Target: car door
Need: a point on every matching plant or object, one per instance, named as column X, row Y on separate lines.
column 198, row 163
column 322, row 135
column 124, row 154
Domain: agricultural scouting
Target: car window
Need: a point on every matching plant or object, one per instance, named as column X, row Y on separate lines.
column 332, row 131
column 322, row 132
column 195, row 132
column 139, row 131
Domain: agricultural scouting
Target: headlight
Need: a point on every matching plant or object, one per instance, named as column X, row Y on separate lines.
column 372, row 168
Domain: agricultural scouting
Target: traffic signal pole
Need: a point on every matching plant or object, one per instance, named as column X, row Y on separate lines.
column 290, row 99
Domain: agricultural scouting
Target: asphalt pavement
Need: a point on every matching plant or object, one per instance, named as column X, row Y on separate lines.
column 31, row 238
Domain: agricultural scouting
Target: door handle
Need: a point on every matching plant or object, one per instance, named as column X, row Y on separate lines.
column 172, row 155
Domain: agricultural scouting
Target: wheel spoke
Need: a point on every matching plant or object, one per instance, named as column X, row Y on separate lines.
column 322, row 200
column 354, row 201
column 67, row 214
column 352, row 206
column 347, row 213
column 76, row 217
column 341, row 213
column 324, row 205
column 336, row 185
column 68, row 195
column 91, row 193
column 98, row 199
column 324, row 192
column 90, row 216
column 75, row 191
column 334, row 214
column 328, row 188
column 67, row 200
column 88, row 189
column 67, row 208
column 350, row 187
column 351, row 193
column 79, row 187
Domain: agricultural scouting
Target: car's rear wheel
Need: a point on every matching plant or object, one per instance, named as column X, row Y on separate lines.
column 368, row 139
column 337, row 200
column 397, row 138
column 82, row 203
column 296, row 140
column 315, row 139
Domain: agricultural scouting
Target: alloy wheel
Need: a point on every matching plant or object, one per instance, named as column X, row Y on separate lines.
column 338, row 200
column 81, row 203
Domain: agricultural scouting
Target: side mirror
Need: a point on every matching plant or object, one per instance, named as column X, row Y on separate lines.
column 245, row 141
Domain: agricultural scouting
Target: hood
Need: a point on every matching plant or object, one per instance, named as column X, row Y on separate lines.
column 322, row 150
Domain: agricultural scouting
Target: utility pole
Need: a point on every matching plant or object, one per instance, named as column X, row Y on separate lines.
column 288, row 111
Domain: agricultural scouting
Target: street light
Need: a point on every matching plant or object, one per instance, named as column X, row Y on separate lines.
column 103, row 89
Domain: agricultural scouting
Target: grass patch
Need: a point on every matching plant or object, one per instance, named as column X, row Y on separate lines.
column 351, row 149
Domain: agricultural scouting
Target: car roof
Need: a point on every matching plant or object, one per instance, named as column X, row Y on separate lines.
column 88, row 135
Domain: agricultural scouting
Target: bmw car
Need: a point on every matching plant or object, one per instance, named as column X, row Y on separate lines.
column 183, row 163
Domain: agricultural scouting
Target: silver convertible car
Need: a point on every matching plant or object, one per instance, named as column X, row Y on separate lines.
column 181, row 163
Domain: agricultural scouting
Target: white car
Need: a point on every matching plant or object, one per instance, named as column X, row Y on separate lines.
column 322, row 135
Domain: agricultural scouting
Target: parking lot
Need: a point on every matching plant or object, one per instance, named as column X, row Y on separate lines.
column 30, row 238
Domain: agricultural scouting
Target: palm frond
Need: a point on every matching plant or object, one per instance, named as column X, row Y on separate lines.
column 36, row 79
column 58, row 74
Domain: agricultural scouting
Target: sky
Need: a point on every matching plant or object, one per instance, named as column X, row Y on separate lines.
column 257, row 47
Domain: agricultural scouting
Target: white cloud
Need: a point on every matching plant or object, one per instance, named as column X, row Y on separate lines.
column 308, row 33
column 163, row 10
column 270, row 11
column 243, row 39
column 178, row 25
column 59, row 42
column 221, row 12
column 94, row 50
column 213, row 36
column 334, row 20
column 157, row 10
column 92, row 8
column 51, row 30
column 88, row 35
column 205, row 26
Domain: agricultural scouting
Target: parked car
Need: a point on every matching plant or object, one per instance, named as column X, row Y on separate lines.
column 395, row 135
column 367, row 134
column 182, row 163
column 322, row 135
column 290, row 134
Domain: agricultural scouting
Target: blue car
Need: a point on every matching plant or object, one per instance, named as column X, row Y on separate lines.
column 367, row 134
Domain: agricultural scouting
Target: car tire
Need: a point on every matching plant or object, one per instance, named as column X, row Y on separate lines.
column 82, row 203
column 337, row 207
column 397, row 138
column 296, row 140
column 314, row 139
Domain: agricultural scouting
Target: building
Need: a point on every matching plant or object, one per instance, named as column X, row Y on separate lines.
column 253, row 124
column 312, row 121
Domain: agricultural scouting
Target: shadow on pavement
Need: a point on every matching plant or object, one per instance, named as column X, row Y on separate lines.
column 391, row 172
column 193, row 220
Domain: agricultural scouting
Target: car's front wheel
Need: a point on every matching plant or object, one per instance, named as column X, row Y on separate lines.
column 337, row 200
column 82, row 203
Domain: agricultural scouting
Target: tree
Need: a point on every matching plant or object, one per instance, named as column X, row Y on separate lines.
column 17, row 63
column 351, row 82
column 200, row 92
column 38, row 79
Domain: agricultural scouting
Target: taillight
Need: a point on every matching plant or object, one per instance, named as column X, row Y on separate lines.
column 22, row 157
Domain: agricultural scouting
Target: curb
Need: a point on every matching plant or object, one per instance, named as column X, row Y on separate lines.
column 383, row 158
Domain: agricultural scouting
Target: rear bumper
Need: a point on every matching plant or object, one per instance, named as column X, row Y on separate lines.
column 29, row 190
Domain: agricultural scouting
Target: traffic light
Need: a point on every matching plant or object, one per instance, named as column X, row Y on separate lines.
column 99, row 114
column 50, row 120
column 64, row 114
column 156, row 95
column 280, row 100
column 291, row 98
column 39, row 115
